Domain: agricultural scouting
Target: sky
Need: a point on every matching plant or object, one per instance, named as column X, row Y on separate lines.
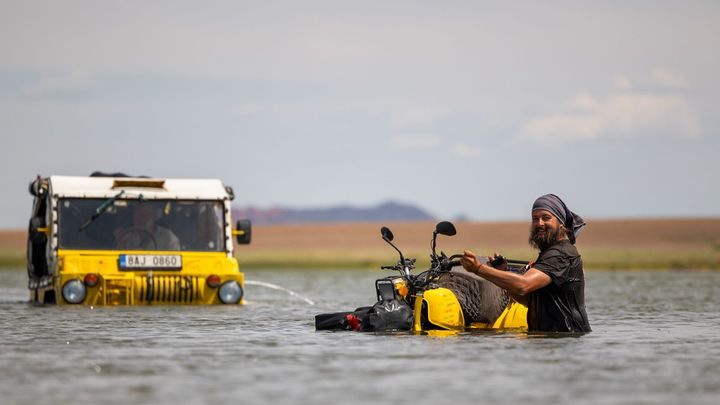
column 462, row 107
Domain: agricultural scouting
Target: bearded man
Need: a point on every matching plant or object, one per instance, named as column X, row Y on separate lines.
column 553, row 288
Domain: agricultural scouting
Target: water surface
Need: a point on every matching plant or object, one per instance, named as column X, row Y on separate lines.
column 655, row 339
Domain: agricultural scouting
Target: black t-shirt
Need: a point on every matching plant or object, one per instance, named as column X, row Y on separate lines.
column 560, row 305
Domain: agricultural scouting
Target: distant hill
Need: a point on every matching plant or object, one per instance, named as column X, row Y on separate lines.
column 388, row 211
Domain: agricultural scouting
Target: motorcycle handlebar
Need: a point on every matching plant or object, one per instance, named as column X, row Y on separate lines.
column 494, row 263
column 523, row 262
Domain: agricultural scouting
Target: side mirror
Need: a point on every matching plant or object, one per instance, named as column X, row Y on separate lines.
column 243, row 231
column 445, row 228
column 386, row 233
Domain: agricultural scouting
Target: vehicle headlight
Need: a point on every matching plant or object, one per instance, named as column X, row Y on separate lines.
column 401, row 287
column 230, row 292
column 74, row 291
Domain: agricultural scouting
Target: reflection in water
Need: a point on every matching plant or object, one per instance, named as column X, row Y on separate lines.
column 654, row 340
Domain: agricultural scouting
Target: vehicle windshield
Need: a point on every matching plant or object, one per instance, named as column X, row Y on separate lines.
column 125, row 224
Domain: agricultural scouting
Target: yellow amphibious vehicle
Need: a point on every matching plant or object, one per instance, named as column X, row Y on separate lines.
column 120, row 240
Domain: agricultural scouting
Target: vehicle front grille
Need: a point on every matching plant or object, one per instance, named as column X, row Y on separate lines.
column 168, row 289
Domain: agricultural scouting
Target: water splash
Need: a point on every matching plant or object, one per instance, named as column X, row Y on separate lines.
column 280, row 288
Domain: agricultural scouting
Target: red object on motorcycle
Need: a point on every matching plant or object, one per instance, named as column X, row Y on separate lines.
column 353, row 322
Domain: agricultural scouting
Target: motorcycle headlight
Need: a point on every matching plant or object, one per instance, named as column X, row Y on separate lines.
column 74, row 291
column 401, row 287
column 230, row 292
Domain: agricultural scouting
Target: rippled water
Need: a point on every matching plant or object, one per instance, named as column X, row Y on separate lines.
column 656, row 339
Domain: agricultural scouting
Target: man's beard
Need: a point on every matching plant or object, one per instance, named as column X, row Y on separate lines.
column 542, row 242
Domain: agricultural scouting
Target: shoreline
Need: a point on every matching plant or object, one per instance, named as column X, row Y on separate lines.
column 642, row 244
column 15, row 262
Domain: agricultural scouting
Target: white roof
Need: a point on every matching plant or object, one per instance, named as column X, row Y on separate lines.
column 105, row 187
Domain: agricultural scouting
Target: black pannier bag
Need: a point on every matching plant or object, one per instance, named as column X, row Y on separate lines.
column 391, row 315
column 342, row 320
column 384, row 316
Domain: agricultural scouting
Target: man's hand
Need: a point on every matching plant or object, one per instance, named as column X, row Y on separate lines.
column 502, row 262
column 474, row 263
column 470, row 262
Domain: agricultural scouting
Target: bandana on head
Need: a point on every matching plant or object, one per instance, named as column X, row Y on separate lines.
column 570, row 220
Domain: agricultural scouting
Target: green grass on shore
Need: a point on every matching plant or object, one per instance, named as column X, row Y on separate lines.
column 594, row 259
column 12, row 259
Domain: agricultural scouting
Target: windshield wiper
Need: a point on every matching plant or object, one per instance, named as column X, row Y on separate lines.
column 101, row 209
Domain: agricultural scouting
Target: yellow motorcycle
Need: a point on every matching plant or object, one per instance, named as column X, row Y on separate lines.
column 438, row 298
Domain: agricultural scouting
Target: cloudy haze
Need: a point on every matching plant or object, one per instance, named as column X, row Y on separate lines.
column 461, row 107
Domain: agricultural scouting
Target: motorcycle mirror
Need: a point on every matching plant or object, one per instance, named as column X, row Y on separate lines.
column 386, row 233
column 445, row 228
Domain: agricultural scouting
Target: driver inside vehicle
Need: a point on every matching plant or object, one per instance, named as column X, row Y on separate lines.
column 145, row 232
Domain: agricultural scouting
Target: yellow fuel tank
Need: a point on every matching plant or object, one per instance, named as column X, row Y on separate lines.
column 443, row 310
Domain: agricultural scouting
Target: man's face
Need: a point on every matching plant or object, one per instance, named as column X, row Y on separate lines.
column 545, row 229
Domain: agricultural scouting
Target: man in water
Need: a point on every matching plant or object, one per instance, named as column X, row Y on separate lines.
column 554, row 287
column 145, row 232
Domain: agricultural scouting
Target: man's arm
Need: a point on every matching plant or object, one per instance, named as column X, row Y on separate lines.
column 518, row 285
